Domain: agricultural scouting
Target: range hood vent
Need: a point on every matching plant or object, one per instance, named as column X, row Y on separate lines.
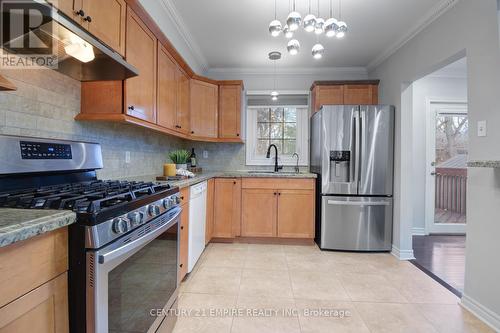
column 74, row 51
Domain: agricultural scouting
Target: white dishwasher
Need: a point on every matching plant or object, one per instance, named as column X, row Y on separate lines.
column 197, row 221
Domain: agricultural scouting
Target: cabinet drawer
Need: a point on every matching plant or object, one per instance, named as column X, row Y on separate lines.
column 278, row 183
column 31, row 263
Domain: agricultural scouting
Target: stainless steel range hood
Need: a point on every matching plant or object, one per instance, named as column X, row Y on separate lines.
column 75, row 52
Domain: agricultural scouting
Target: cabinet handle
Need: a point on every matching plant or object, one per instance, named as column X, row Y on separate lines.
column 182, row 227
column 274, row 193
column 180, row 265
column 192, row 132
column 131, row 107
column 182, row 198
column 279, row 193
column 237, row 134
column 80, row 12
column 234, row 182
column 88, row 19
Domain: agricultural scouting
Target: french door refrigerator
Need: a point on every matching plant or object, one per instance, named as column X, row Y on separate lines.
column 352, row 151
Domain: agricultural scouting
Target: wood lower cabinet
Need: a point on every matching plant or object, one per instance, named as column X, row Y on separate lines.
column 183, row 242
column 227, row 207
column 295, row 214
column 44, row 309
column 209, row 227
column 203, row 102
column 140, row 91
column 230, row 111
column 258, row 212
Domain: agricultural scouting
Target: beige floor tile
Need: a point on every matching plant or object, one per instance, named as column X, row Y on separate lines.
column 421, row 288
column 448, row 318
column 393, row 318
column 266, row 315
column 317, row 285
column 301, row 249
column 269, row 260
column 309, row 262
column 266, row 248
column 338, row 317
column 265, row 283
column 215, row 280
column 370, row 288
column 225, row 257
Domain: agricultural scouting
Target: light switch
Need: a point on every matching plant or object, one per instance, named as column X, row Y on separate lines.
column 127, row 157
column 205, row 154
column 481, row 128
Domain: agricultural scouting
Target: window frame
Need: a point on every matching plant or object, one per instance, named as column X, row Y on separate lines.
column 302, row 139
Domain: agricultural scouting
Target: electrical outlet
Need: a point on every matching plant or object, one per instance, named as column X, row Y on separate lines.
column 127, row 157
column 481, row 128
column 205, row 154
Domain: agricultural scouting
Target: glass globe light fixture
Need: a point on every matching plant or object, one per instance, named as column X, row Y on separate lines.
column 286, row 31
column 293, row 47
column 331, row 26
column 319, row 28
column 317, row 51
column 274, row 95
column 294, row 20
column 309, row 23
column 342, row 29
column 275, row 28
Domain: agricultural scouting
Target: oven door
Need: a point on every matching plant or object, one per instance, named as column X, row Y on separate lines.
column 131, row 281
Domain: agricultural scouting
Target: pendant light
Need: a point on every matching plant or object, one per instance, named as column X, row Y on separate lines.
column 309, row 20
column 273, row 56
column 317, row 51
column 275, row 25
column 286, row 31
column 318, row 28
column 331, row 25
column 293, row 47
column 342, row 26
column 294, row 19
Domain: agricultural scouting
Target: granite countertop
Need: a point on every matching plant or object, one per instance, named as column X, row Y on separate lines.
column 483, row 164
column 20, row 224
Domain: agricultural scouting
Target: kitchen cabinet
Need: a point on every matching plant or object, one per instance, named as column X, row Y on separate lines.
column 6, row 85
column 324, row 95
column 230, row 111
column 183, row 100
column 258, row 212
column 183, row 242
column 209, row 227
column 295, row 214
column 227, row 207
column 140, row 91
column 71, row 8
column 343, row 93
column 355, row 94
column 203, row 102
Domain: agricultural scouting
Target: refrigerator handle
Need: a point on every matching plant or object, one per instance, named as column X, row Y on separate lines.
column 362, row 138
column 356, row 157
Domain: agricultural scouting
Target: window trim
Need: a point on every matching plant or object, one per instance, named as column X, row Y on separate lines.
column 302, row 137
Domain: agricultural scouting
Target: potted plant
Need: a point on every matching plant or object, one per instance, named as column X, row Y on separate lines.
column 180, row 158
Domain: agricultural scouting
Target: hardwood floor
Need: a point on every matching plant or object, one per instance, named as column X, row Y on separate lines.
column 443, row 256
column 445, row 216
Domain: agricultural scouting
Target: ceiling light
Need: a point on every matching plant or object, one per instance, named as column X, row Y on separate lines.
column 331, row 27
column 317, row 51
column 273, row 56
column 342, row 29
column 80, row 49
column 275, row 28
column 274, row 95
column 318, row 29
column 309, row 23
column 294, row 19
column 293, row 47
column 286, row 31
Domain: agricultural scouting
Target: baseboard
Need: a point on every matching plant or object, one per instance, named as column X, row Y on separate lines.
column 418, row 231
column 402, row 254
column 489, row 317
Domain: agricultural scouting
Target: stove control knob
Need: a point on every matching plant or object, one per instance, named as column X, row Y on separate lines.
column 177, row 200
column 153, row 210
column 136, row 218
column 120, row 225
column 167, row 203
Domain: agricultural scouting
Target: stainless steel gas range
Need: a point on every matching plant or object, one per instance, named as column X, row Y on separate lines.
column 124, row 247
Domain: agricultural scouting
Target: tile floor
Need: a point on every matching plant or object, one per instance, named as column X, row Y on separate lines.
column 355, row 292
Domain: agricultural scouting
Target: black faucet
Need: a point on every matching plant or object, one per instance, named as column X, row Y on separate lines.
column 268, row 155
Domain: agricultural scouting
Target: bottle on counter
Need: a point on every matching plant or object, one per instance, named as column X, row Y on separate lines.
column 192, row 158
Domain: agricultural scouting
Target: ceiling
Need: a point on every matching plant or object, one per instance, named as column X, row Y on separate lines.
column 233, row 34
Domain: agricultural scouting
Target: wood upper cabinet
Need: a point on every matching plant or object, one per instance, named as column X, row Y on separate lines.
column 360, row 94
column 209, row 227
column 325, row 95
column 70, row 8
column 227, row 207
column 295, row 214
column 183, row 101
column 106, row 20
column 167, row 90
column 183, row 242
column 258, row 212
column 344, row 93
column 230, row 111
column 203, row 107
column 140, row 91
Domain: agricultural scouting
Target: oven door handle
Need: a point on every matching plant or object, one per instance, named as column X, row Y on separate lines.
column 109, row 255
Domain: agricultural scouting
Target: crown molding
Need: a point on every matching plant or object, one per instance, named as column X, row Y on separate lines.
column 439, row 9
column 296, row 71
column 183, row 31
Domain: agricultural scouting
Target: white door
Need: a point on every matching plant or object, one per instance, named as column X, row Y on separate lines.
column 446, row 181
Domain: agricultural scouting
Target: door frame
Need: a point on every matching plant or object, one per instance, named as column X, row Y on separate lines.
column 430, row 188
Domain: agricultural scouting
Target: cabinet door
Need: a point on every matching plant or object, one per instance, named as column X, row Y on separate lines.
column 209, row 229
column 258, row 212
column 167, row 90
column 106, row 20
column 70, row 8
column 183, row 242
column 42, row 310
column 140, row 91
column 295, row 214
column 328, row 95
column 204, row 107
column 183, row 99
column 360, row 94
column 227, row 197
column 229, row 111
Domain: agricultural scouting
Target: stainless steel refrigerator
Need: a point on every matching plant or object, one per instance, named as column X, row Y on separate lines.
column 352, row 152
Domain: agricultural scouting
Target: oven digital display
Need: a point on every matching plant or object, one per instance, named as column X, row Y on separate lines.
column 45, row 151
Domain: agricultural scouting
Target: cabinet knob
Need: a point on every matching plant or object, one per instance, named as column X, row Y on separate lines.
column 180, row 265
column 192, row 132
column 279, row 193
column 234, row 182
column 182, row 227
column 131, row 107
column 182, row 197
column 274, row 193
column 237, row 134
column 80, row 13
column 88, row 19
